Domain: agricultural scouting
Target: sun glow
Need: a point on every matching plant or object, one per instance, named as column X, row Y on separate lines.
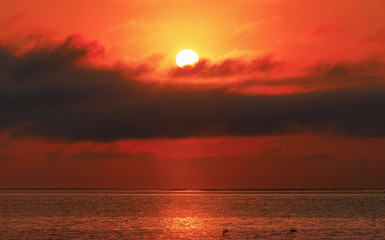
column 186, row 57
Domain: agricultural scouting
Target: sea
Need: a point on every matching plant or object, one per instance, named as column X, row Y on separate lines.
column 188, row 214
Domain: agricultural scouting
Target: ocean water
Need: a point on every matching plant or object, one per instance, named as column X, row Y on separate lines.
column 91, row 214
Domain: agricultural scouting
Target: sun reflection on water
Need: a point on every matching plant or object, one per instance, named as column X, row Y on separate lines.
column 192, row 216
column 184, row 223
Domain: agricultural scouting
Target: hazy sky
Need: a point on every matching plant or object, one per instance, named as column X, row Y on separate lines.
column 286, row 94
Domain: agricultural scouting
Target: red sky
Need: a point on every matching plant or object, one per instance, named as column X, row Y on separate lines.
column 286, row 94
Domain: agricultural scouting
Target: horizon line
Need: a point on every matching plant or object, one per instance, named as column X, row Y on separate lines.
column 207, row 189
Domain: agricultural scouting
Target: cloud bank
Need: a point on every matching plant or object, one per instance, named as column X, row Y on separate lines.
column 51, row 93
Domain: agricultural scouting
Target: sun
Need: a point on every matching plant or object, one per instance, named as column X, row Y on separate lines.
column 186, row 57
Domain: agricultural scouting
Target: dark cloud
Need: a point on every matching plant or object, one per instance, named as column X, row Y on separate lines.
column 367, row 74
column 226, row 68
column 49, row 92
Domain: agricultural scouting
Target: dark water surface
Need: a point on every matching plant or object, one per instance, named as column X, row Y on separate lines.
column 91, row 214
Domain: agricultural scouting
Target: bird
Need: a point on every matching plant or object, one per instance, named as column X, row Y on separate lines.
column 291, row 231
column 224, row 232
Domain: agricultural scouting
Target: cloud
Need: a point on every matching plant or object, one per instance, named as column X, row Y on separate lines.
column 6, row 156
column 366, row 74
column 108, row 153
column 376, row 37
column 246, row 27
column 229, row 67
column 316, row 157
column 323, row 30
column 52, row 93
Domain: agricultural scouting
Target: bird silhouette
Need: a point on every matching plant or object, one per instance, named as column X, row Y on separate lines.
column 291, row 231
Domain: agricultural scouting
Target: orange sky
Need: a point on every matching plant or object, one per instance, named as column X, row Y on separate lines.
column 286, row 94
column 300, row 31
